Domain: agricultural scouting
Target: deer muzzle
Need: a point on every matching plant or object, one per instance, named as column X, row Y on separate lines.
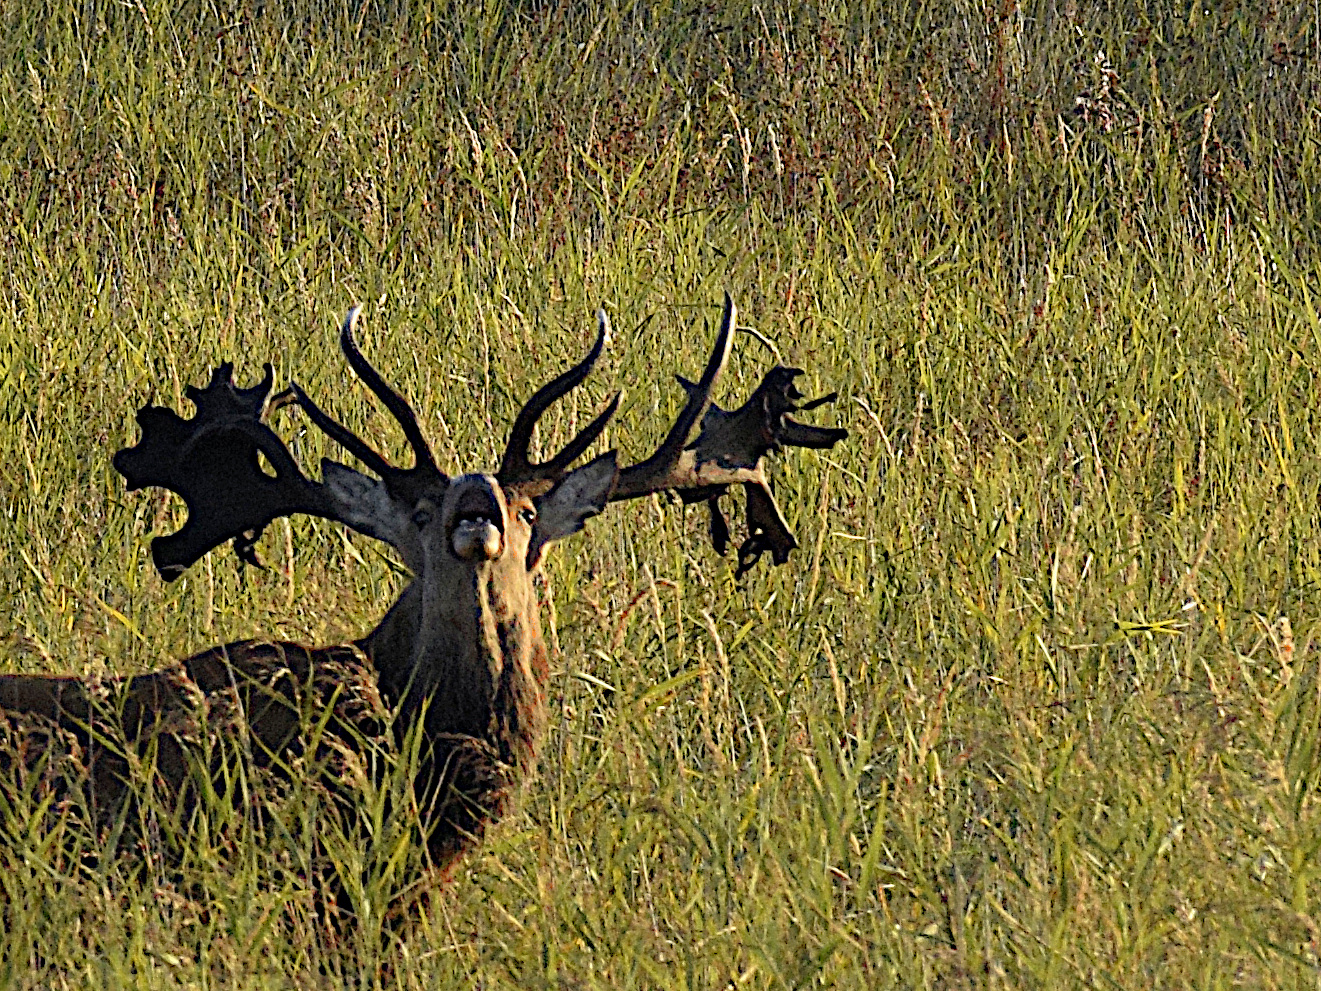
column 475, row 516
column 477, row 540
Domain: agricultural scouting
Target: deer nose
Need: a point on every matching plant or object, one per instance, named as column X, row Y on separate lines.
column 476, row 538
column 475, row 514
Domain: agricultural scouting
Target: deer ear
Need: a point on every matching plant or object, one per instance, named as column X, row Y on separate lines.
column 563, row 510
column 365, row 504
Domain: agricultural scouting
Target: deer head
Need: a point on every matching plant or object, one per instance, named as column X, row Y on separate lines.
column 468, row 624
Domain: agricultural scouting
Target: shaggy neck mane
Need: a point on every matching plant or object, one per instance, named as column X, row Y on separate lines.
column 477, row 664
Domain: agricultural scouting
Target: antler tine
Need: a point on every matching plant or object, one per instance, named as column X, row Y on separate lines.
column 573, row 450
column 341, row 434
column 650, row 475
column 394, row 402
column 516, row 465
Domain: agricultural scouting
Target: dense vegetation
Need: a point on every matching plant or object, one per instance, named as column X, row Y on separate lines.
column 1035, row 705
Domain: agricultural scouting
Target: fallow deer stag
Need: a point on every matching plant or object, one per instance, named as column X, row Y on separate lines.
column 459, row 658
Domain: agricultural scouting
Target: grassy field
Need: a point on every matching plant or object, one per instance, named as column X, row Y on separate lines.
column 1038, row 702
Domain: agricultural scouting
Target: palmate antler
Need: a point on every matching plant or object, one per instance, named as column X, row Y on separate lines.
column 730, row 449
column 213, row 461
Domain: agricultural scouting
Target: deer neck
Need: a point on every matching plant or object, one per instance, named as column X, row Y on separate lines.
column 464, row 647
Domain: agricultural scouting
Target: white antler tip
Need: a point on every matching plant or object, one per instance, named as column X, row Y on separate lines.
column 350, row 325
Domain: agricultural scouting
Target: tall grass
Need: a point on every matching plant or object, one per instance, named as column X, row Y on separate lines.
column 1037, row 702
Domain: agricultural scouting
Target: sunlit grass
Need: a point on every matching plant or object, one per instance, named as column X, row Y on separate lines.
column 1022, row 712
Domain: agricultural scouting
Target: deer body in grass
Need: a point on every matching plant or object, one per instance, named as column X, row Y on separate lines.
column 459, row 659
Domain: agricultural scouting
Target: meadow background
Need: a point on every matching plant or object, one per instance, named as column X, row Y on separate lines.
column 1036, row 704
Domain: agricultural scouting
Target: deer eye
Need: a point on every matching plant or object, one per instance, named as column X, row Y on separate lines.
column 528, row 515
column 421, row 518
